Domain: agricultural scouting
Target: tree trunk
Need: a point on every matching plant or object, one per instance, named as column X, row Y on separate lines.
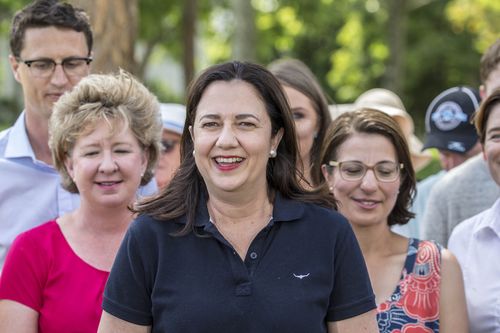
column 244, row 36
column 114, row 23
column 188, row 36
column 397, row 27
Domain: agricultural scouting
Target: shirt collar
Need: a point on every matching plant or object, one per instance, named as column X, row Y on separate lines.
column 284, row 210
column 490, row 220
column 18, row 144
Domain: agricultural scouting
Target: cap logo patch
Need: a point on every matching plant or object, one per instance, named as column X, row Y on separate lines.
column 448, row 116
column 456, row 146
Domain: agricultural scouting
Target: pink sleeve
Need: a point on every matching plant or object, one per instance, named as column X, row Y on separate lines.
column 23, row 275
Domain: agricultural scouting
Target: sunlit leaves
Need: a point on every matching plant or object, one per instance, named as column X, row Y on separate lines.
column 481, row 17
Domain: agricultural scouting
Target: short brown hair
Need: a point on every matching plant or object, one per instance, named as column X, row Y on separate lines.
column 370, row 121
column 490, row 61
column 100, row 97
column 483, row 113
column 47, row 13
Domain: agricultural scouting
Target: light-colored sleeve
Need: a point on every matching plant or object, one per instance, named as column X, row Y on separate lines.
column 434, row 221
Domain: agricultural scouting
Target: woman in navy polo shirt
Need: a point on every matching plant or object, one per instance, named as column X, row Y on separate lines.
column 418, row 285
column 234, row 243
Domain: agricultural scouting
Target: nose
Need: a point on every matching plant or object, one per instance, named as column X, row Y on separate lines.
column 369, row 182
column 108, row 164
column 59, row 77
column 227, row 137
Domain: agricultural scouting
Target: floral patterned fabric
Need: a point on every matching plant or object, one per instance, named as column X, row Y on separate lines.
column 414, row 305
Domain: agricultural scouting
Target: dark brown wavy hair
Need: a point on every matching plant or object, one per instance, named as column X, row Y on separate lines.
column 187, row 188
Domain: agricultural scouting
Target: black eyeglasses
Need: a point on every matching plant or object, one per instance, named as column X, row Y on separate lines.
column 167, row 146
column 72, row 66
column 385, row 172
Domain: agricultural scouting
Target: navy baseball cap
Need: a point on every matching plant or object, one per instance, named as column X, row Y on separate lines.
column 448, row 120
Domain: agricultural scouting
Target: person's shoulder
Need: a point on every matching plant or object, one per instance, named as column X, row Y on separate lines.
column 4, row 139
column 39, row 234
column 145, row 225
column 462, row 175
column 427, row 183
column 325, row 211
column 472, row 168
column 464, row 230
column 317, row 214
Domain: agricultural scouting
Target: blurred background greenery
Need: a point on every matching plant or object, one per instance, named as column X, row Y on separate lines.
column 416, row 48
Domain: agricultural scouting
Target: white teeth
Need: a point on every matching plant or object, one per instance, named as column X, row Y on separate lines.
column 224, row 160
column 364, row 202
column 108, row 183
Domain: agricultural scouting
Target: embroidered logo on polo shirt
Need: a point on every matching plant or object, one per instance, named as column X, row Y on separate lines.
column 301, row 276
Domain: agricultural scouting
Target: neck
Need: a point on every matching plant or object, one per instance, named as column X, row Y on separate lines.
column 103, row 220
column 373, row 239
column 38, row 135
column 228, row 210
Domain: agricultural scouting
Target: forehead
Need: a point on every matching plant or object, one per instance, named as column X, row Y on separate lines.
column 230, row 98
column 493, row 81
column 367, row 147
column 107, row 128
column 494, row 118
column 53, row 42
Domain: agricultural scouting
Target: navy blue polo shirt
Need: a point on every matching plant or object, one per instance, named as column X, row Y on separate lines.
column 304, row 269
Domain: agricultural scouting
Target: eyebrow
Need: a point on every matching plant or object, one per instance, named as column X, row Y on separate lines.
column 97, row 145
column 238, row 116
column 494, row 129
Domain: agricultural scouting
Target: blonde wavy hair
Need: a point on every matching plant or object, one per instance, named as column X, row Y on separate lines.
column 115, row 99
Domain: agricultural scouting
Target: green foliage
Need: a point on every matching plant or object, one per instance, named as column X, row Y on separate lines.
column 479, row 17
column 344, row 42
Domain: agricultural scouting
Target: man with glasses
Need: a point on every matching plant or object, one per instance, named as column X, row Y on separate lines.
column 51, row 50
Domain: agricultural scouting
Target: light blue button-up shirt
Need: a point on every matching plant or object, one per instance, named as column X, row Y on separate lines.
column 30, row 190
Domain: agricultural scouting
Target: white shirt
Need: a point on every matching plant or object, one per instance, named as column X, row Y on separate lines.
column 476, row 244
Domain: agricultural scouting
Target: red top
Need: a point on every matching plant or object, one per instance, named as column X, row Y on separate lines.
column 414, row 305
column 42, row 272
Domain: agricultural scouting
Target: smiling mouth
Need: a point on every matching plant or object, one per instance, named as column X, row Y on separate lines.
column 367, row 203
column 109, row 183
column 228, row 160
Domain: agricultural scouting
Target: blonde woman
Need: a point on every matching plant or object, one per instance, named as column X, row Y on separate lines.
column 104, row 137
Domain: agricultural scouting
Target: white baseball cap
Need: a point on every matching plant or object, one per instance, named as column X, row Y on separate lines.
column 173, row 116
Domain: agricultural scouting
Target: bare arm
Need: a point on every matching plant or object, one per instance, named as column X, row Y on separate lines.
column 112, row 324
column 16, row 317
column 452, row 305
column 364, row 323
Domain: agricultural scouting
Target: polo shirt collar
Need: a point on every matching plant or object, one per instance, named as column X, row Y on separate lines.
column 284, row 210
column 18, row 144
column 490, row 220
